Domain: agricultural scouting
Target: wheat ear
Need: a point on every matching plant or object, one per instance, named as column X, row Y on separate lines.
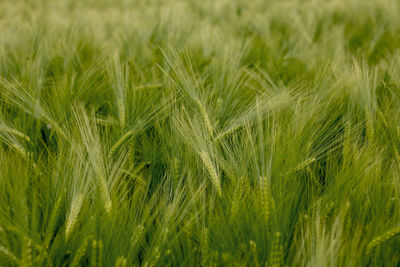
column 369, row 124
column 253, row 248
column 206, row 118
column 121, row 110
column 26, row 260
column 120, row 141
column 277, row 251
column 382, row 239
column 105, row 194
column 121, row 262
column 204, row 247
column 97, row 251
column 53, row 220
column 73, row 214
column 80, row 253
column 265, row 198
column 236, row 198
column 7, row 257
column 211, row 170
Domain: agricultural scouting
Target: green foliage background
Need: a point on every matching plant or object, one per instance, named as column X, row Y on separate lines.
column 188, row 133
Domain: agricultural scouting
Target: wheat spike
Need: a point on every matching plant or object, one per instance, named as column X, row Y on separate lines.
column 80, row 253
column 265, row 198
column 305, row 163
column 313, row 178
column 42, row 257
column 253, row 248
column 4, row 128
column 213, row 173
column 219, row 105
column 94, row 254
column 236, row 198
column 120, row 141
column 7, row 257
column 121, row 110
column 26, row 260
column 155, row 257
column 346, row 141
column 369, row 124
column 382, row 239
column 73, row 214
column 53, row 220
column 228, row 131
column 121, row 262
column 18, row 148
column 105, row 194
column 54, row 125
column 137, row 236
column 131, row 159
column 175, row 171
column 97, row 251
column 204, row 247
column 206, row 118
column 276, row 256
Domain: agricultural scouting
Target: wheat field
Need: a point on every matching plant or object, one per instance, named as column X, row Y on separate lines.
column 199, row 133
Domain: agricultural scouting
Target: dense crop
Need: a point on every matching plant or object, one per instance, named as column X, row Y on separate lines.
column 188, row 133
